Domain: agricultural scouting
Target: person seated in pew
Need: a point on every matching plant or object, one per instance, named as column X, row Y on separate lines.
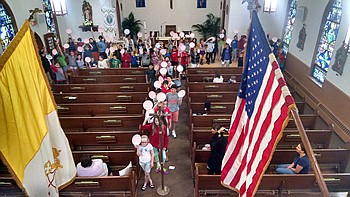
column 218, row 78
column 300, row 165
column 146, row 160
column 218, row 144
column 92, row 167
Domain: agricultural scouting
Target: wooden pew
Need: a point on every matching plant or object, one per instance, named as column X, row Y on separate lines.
column 210, row 184
column 211, row 70
column 290, row 138
column 83, row 79
column 117, row 159
column 104, row 122
column 215, row 107
column 330, row 160
column 208, row 120
column 113, row 71
column 212, row 87
column 201, row 97
column 102, row 186
column 8, row 187
column 102, row 140
column 93, row 109
column 101, row 97
column 102, row 87
column 209, row 78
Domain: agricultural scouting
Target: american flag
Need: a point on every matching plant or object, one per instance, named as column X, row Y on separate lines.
column 262, row 111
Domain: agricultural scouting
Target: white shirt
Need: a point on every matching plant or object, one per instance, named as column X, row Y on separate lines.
column 145, row 153
column 218, row 80
column 103, row 63
column 97, row 168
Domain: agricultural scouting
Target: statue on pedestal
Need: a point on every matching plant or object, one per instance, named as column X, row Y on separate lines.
column 340, row 58
column 87, row 13
column 302, row 38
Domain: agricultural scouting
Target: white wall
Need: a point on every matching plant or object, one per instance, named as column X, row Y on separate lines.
column 239, row 19
column 21, row 13
column 184, row 13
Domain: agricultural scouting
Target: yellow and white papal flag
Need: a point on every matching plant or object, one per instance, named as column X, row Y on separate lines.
column 32, row 143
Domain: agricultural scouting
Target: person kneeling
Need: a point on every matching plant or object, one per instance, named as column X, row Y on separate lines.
column 300, row 165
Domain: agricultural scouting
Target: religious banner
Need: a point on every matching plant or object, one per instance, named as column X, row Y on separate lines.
column 109, row 20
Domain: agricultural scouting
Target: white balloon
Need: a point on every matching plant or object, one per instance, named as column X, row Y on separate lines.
column 163, row 64
column 152, row 95
column 100, row 29
column 122, row 51
column 49, row 57
column 222, row 36
column 161, row 96
column 192, row 35
column 87, row 59
column 163, row 51
column 274, row 39
column 228, row 40
column 66, row 46
column 175, row 35
column 182, row 93
column 107, row 50
column 108, row 39
column 136, row 139
column 139, row 34
column 147, row 105
column 80, row 49
column 74, row 36
column 112, row 49
column 157, row 45
column 86, row 40
column 160, row 79
column 163, row 71
column 68, row 31
column 192, row 44
column 180, row 68
column 141, row 51
column 157, row 84
column 182, row 34
column 54, row 51
column 183, row 47
column 126, row 31
column 172, row 33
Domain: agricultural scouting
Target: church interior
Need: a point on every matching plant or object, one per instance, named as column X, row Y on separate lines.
column 101, row 109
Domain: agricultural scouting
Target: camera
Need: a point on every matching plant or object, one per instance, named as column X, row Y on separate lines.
column 226, row 130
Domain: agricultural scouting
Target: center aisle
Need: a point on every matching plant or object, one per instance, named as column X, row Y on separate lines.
column 179, row 180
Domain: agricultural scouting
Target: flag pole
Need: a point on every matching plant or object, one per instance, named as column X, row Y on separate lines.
column 319, row 178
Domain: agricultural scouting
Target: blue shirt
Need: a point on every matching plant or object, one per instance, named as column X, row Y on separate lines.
column 234, row 44
column 227, row 54
column 303, row 162
column 102, row 46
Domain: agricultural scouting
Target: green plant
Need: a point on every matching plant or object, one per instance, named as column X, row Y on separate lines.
column 210, row 27
column 132, row 24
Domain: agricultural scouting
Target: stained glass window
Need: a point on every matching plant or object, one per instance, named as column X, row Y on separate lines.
column 59, row 7
column 7, row 32
column 287, row 37
column 50, row 23
column 327, row 41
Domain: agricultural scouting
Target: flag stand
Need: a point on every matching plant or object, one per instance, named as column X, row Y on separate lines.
column 319, row 178
column 162, row 190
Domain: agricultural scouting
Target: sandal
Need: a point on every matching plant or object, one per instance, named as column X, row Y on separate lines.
column 143, row 188
column 151, row 186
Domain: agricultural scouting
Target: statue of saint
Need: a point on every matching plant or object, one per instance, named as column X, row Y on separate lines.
column 87, row 11
column 302, row 38
column 340, row 58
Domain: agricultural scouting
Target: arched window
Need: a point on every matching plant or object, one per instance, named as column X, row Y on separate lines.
column 328, row 36
column 8, row 27
column 49, row 16
column 288, row 29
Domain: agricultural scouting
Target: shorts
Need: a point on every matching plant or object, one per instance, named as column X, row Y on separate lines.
column 65, row 68
column 175, row 116
column 146, row 166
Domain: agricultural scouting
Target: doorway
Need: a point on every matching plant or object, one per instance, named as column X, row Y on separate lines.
column 38, row 41
column 169, row 28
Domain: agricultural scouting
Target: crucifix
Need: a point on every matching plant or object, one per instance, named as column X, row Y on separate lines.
column 163, row 189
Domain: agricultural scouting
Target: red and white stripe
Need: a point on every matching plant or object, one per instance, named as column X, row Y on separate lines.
column 253, row 140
